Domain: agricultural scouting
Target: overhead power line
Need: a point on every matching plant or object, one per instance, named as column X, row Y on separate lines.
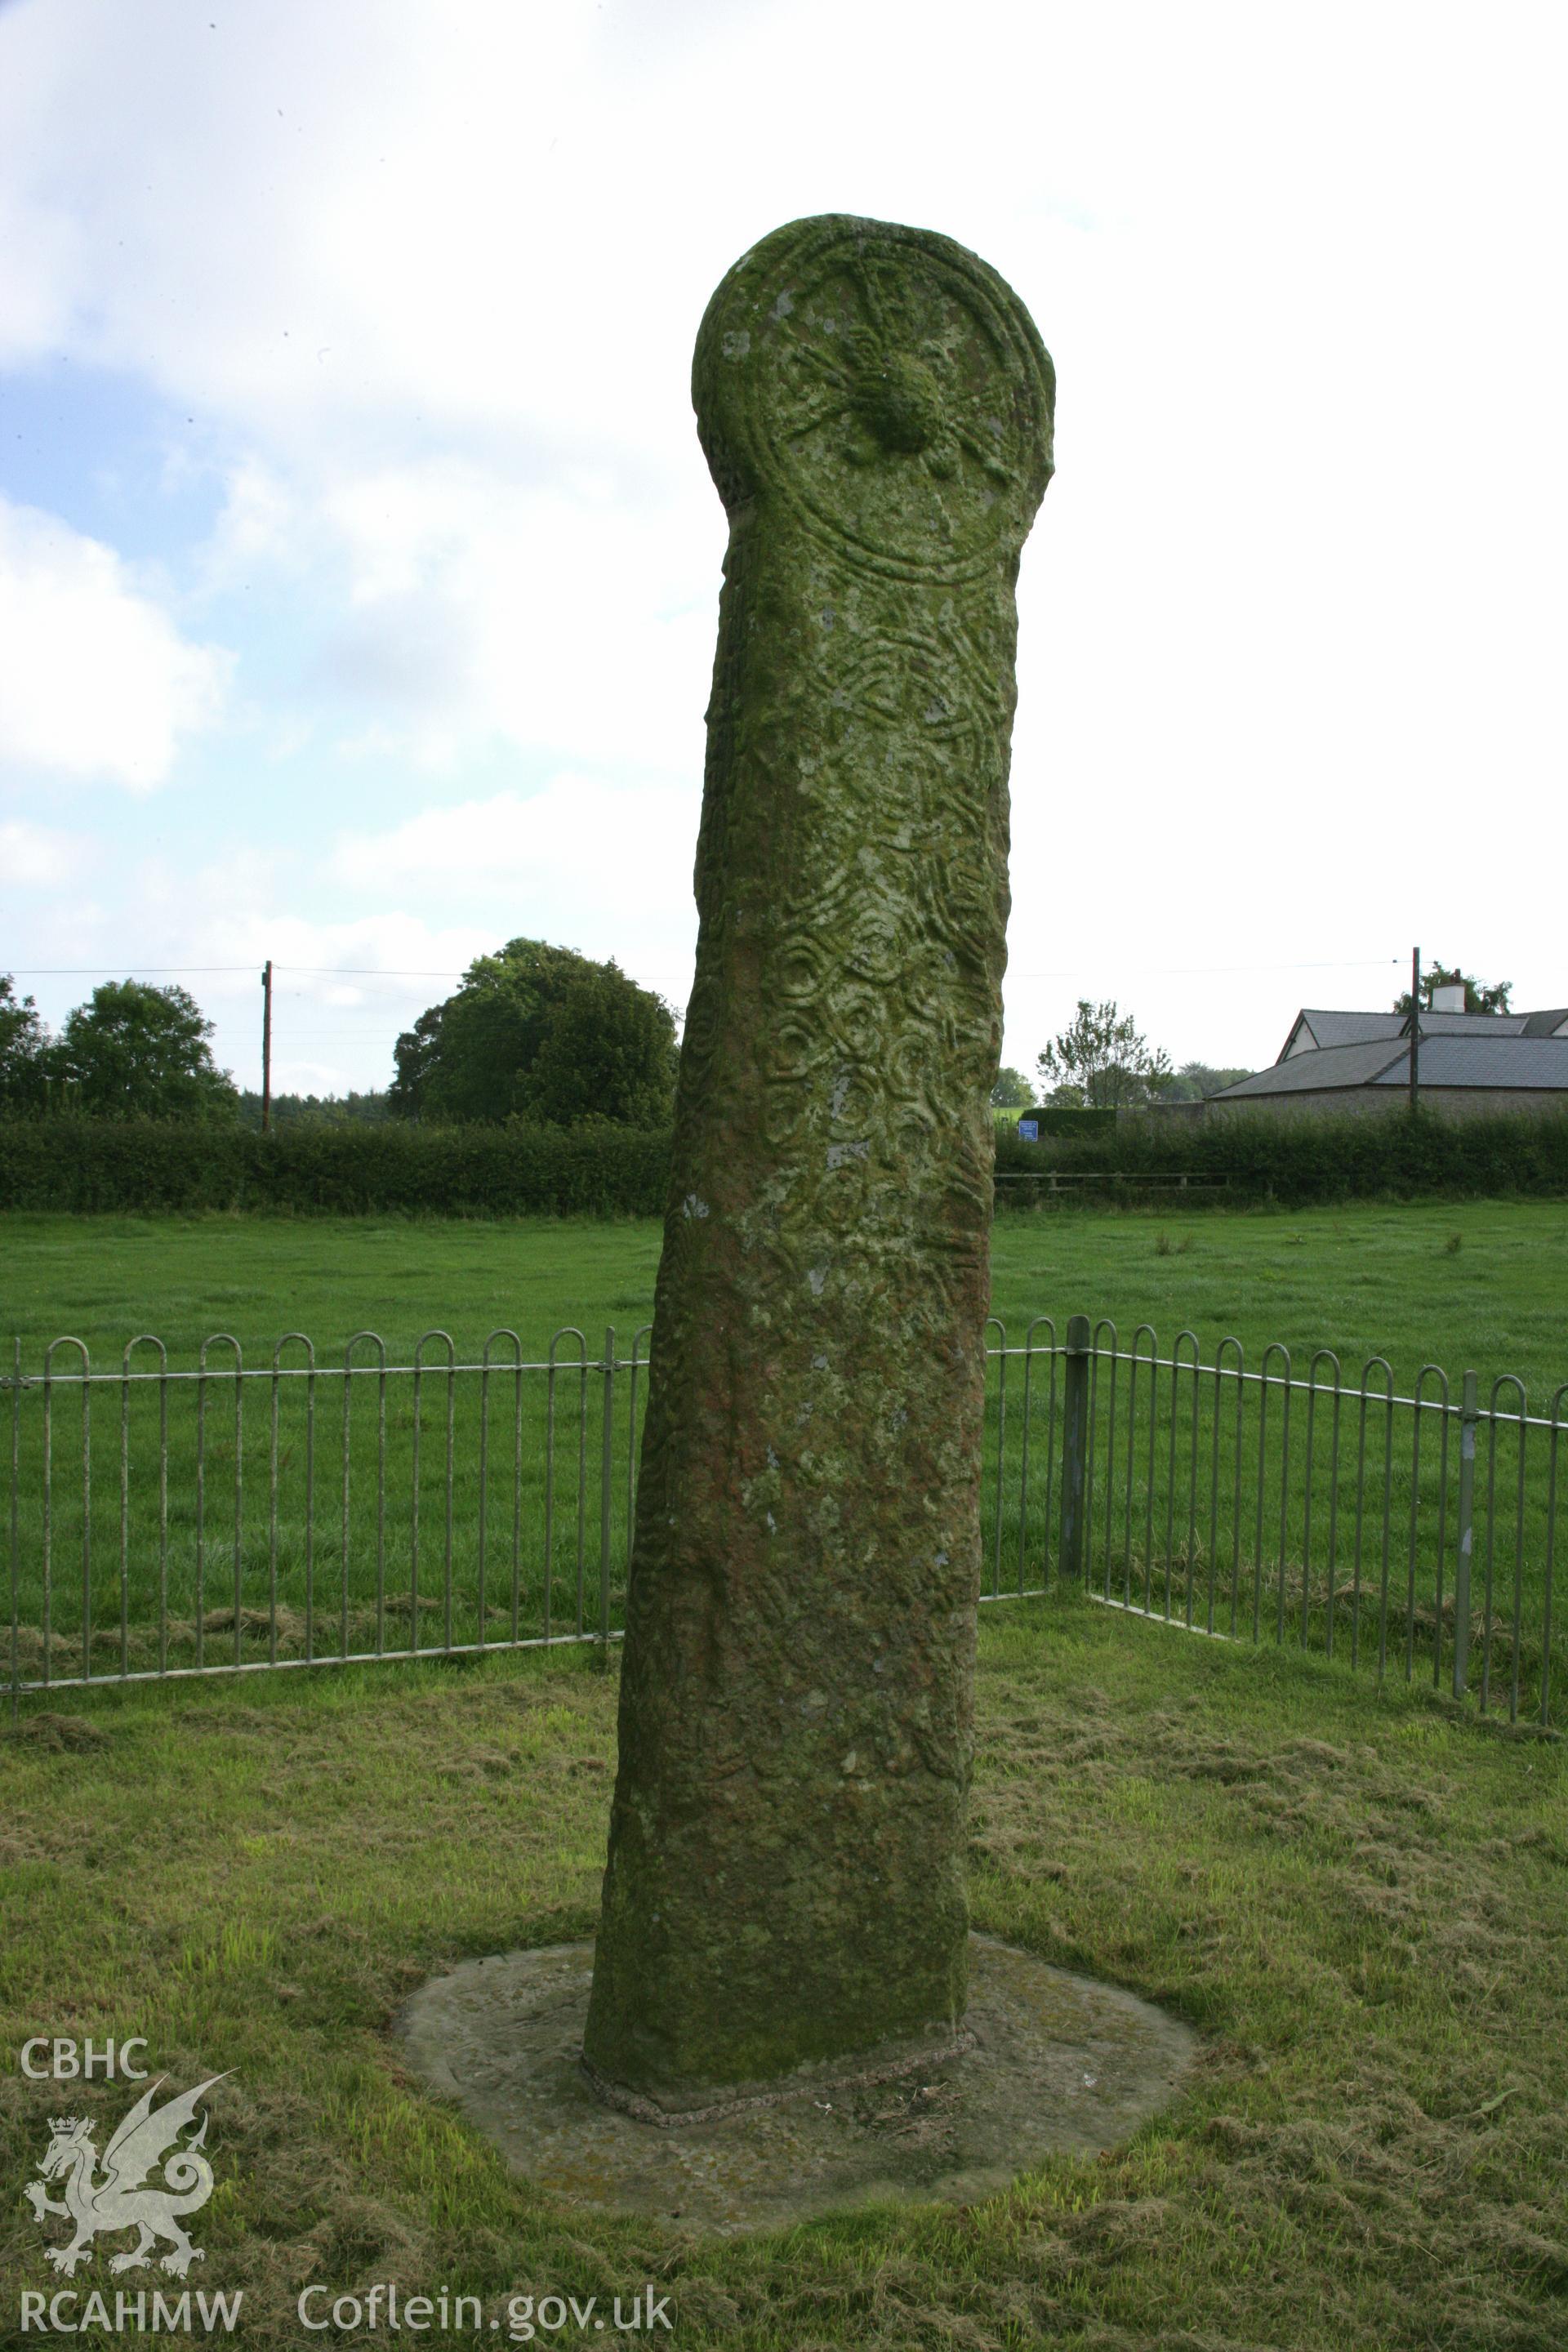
column 365, row 972
column 94, row 970
column 1172, row 971
column 324, row 971
column 388, row 972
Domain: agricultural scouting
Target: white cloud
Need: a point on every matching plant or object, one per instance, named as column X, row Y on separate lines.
column 430, row 278
column 307, row 217
column 605, row 869
column 38, row 855
column 96, row 681
column 550, row 617
column 342, row 991
column 332, row 223
column 262, row 523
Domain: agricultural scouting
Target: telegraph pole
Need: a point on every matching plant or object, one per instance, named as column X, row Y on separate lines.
column 1415, row 1028
column 267, row 1046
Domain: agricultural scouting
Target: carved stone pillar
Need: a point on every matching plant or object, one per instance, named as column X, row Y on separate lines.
column 786, row 1882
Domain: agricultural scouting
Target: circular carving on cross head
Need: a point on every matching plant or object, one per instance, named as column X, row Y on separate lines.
column 884, row 383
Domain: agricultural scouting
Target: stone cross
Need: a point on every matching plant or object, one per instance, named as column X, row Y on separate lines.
column 785, row 1884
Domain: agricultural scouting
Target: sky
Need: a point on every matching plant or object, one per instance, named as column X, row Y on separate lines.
column 358, row 566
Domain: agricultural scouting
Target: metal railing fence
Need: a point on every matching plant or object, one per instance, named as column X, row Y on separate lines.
column 1043, row 1183
column 228, row 1518
column 1414, row 1534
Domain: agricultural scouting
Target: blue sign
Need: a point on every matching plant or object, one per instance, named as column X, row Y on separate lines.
column 1028, row 1131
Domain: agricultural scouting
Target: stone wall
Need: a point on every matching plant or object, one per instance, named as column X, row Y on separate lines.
column 1375, row 1102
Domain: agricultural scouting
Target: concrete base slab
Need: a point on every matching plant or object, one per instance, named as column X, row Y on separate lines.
column 1059, row 2063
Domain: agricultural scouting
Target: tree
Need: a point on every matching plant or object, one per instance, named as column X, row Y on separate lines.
column 1195, row 1081
column 1012, row 1091
column 608, row 1052
column 352, row 1109
column 540, row 1032
column 1101, row 1063
column 1479, row 997
column 23, row 1043
column 133, row 1051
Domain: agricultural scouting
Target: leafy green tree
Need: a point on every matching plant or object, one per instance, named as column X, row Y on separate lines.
column 134, row 1050
column 1195, row 1080
column 1100, row 1062
column 468, row 1056
column 23, row 1043
column 352, row 1109
column 544, row 1033
column 1480, row 996
column 1012, row 1091
column 608, row 1051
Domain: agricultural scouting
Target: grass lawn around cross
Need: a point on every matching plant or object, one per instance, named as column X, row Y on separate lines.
column 1364, row 1279
column 1360, row 1902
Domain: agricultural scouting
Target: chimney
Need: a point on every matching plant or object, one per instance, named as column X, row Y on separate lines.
column 1450, row 999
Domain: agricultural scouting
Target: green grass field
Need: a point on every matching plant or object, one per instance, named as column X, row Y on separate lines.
column 326, row 1510
column 1362, row 1279
column 1357, row 1901
column 1356, row 1894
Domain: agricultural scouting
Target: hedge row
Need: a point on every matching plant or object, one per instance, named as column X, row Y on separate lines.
column 135, row 1165
column 1053, row 1121
column 1302, row 1159
column 355, row 1170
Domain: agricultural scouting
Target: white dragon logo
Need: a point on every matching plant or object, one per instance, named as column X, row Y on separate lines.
column 119, row 2201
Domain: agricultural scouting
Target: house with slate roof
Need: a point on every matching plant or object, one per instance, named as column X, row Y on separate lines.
column 1336, row 1063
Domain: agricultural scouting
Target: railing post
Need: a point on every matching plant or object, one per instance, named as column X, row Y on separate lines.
column 1075, row 1444
column 605, row 1475
column 16, row 1515
column 1469, row 1418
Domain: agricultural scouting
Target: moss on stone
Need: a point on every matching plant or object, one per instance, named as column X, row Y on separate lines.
column 786, row 1880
